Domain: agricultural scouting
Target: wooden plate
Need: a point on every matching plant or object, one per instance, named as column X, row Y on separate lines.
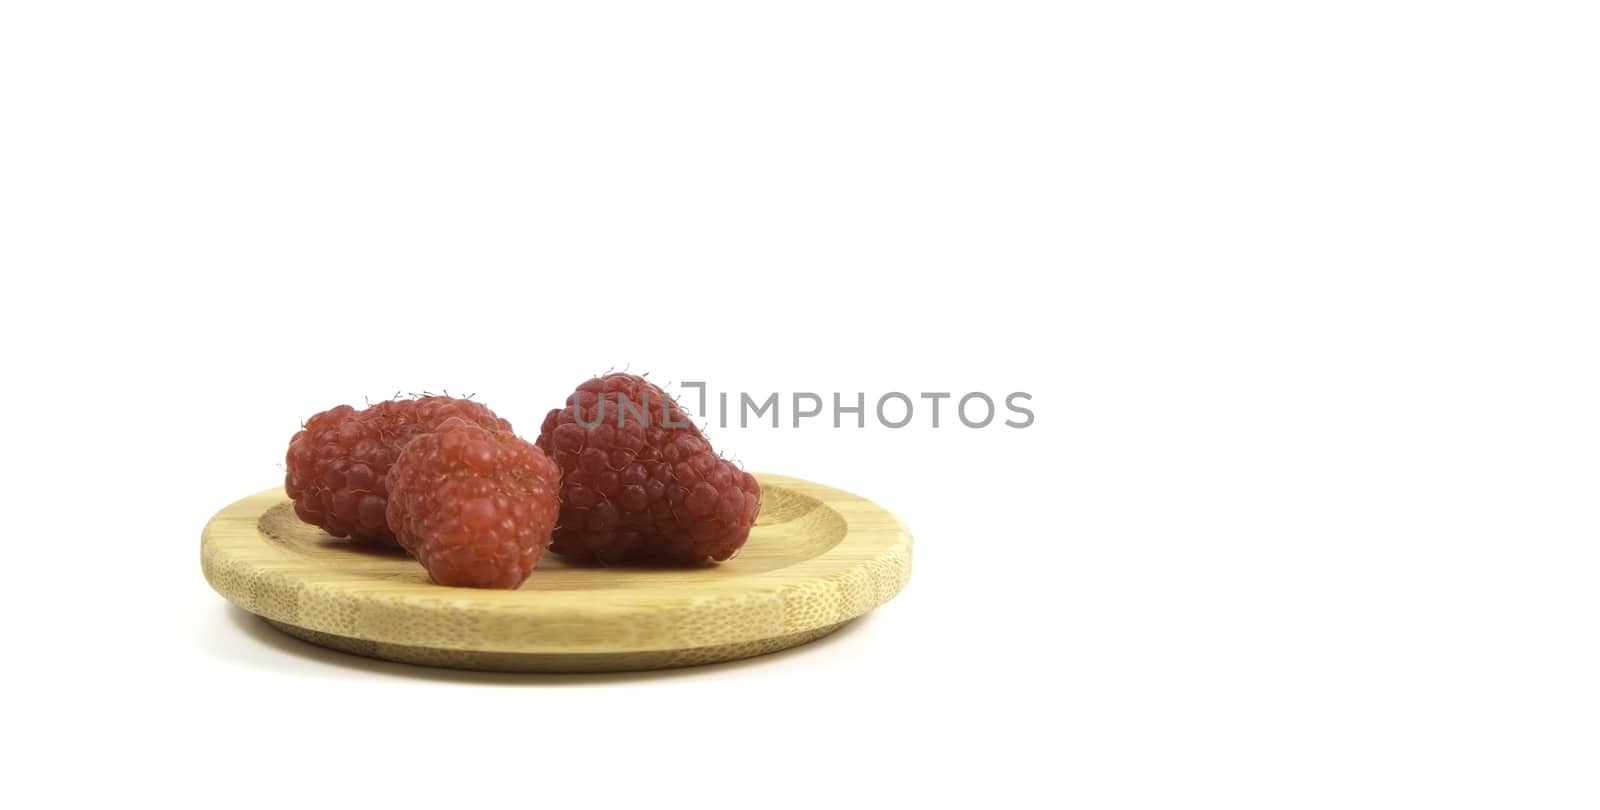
column 817, row 558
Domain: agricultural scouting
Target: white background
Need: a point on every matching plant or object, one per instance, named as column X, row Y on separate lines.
column 1304, row 294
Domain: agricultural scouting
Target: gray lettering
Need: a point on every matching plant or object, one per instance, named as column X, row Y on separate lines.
column 701, row 411
column 625, row 406
column 961, row 410
column 666, row 413
column 935, row 397
column 894, row 395
column 747, row 405
column 799, row 414
column 860, row 410
column 1019, row 409
column 599, row 415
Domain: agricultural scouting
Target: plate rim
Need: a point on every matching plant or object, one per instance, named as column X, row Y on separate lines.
column 869, row 565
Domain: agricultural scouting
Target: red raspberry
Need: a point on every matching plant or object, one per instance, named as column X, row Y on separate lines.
column 474, row 506
column 339, row 461
column 650, row 491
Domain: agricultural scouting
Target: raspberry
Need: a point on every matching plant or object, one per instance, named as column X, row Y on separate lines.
column 474, row 506
column 339, row 461
column 650, row 491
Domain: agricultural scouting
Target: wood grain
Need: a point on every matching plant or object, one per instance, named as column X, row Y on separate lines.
column 817, row 558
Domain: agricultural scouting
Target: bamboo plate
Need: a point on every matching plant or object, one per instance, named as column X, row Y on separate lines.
column 817, row 558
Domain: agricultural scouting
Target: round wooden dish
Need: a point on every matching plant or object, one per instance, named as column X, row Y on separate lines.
column 817, row 558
